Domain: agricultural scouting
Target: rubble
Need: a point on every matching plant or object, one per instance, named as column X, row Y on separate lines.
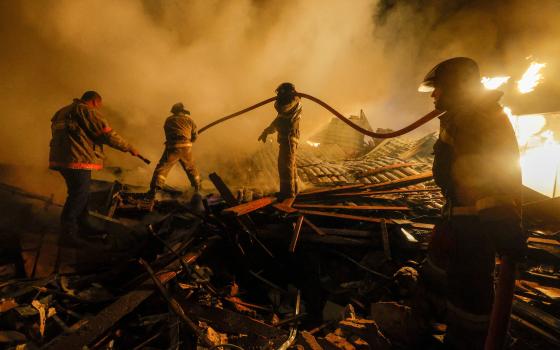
column 334, row 268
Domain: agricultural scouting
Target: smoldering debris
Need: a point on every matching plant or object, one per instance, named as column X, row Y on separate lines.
column 336, row 268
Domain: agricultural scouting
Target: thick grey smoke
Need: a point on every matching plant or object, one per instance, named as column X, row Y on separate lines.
column 221, row 56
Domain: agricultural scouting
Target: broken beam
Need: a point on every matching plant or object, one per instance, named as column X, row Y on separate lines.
column 352, row 207
column 249, row 207
column 330, row 190
column 295, row 236
column 344, row 216
column 104, row 320
column 372, row 193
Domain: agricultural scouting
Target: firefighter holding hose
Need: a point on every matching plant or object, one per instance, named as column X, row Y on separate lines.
column 286, row 124
column 76, row 148
column 476, row 165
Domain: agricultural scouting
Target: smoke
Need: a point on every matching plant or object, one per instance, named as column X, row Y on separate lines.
column 220, row 56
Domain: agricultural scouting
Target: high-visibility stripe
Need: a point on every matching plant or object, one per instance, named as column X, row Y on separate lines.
column 76, row 165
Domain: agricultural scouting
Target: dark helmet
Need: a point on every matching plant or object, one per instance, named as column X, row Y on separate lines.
column 457, row 72
column 286, row 89
column 179, row 108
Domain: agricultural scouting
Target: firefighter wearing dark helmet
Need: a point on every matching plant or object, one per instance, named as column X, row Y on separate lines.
column 476, row 165
column 286, row 124
column 180, row 133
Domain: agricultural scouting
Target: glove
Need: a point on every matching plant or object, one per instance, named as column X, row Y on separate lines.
column 133, row 151
column 263, row 137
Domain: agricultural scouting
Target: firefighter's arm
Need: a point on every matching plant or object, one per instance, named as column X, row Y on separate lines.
column 194, row 132
column 268, row 130
column 106, row 135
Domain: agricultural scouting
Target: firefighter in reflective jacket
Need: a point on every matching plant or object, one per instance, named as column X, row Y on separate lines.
column 286, row 124
column 76, row 148
column 476, row 165
column 180, row 133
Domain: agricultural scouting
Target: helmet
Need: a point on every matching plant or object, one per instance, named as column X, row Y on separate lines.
column 179, row 108
column 286, row 89
column 457, row 72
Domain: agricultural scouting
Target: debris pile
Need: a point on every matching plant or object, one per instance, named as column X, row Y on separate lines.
column 335, row 268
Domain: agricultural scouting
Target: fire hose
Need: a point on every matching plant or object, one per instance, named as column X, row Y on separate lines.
column 433, row 114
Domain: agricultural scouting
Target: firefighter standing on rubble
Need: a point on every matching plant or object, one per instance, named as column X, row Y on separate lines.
column 76, row 148
column 180, row 133
column 286, row 124
column 476, row 165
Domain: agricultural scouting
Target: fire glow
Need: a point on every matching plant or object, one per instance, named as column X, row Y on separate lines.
column 313, row 144
column 540, row 152
column 531, row 78
column 494, row 82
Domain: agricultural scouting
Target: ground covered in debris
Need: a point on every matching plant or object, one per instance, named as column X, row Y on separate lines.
column 336, row 268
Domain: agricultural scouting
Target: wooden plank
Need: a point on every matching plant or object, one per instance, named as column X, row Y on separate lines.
column 249, row 207
column 99, row 324
column 227, row 321
column 343, row 216
column 225, row 192
column 372, row 193
column 419, row 225
column 385, row 240
column 352, row 207
column 286, row 205
column 405, row 181
column 295, row 236
column 315, row 229
column 329, row 190
column 545, row 319
column 385, row 168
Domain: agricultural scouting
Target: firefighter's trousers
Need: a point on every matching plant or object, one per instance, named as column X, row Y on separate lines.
column 460, row 268
column 287, row 169
column 170, row 157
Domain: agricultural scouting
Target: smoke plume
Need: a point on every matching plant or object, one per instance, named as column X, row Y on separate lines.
column 220, row 56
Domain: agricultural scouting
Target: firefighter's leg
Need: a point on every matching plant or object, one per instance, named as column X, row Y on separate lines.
column 164, row 166
column 187, row 162
column 293, row 165
column 434, row 270
column 75, row 207
column 470, row 285
column 286, row 158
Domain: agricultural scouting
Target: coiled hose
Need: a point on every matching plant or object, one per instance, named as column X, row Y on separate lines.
column 433, row 114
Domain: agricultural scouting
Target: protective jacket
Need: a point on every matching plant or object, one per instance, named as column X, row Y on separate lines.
column 78, row 135
column 476, row 160
column 180, row 131
column 287, row 121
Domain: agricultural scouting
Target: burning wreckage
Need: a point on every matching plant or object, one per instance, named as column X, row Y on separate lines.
column 336, row 268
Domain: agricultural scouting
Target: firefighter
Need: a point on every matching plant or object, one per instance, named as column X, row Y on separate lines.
column 286, row 124
column 180, row 133
column 476, row 165
column 76, row 148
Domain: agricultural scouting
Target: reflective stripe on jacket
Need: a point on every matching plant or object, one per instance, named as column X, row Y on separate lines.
column 180, row 131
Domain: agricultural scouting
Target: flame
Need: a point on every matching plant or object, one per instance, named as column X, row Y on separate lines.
column 313, row 144
column 494, row 82
column 531, row 78
column 540, row 153
column 541, row 166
